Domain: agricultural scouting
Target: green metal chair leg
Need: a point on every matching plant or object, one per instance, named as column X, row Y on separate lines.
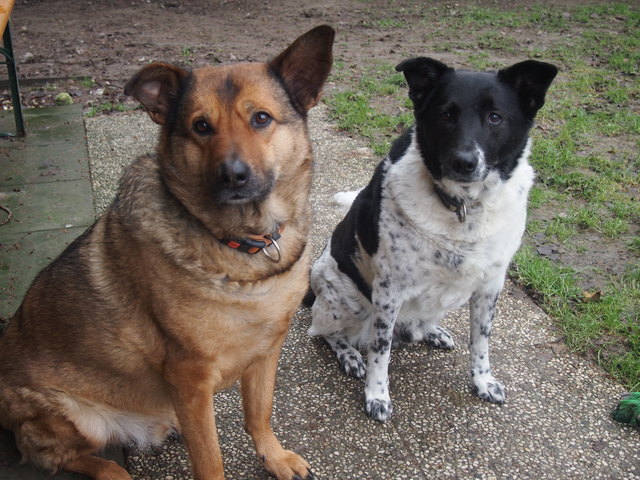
column 7, row 51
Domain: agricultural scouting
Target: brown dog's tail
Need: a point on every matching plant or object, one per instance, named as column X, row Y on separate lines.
column 309, row 298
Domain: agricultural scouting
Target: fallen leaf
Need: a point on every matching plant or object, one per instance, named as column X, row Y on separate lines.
column 592, row 297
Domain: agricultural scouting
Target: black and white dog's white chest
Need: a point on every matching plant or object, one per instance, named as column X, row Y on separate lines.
column 422, row 245
column 419, row 244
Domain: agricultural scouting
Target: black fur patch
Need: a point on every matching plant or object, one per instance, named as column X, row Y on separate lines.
column 459, row 112
column 400, row 146
column 300, row 110
column 361, row 223
column 173, row 123
column 228, row 91
column 469, row 98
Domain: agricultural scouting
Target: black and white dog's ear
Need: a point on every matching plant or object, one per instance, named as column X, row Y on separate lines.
column 422, row 74
column 530, row 79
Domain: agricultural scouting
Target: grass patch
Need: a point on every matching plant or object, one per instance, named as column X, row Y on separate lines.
column 356, row 110
column 87, row 82
column 107, row 107
column 602, row 324
column 585, row 155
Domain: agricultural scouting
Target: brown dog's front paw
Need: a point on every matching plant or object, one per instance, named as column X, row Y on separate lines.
column 288, row 466
column 310, row 476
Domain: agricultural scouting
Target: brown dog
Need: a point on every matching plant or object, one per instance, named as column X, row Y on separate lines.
column 186, row 283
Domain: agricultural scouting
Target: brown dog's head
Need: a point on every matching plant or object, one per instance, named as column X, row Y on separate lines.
column 232, row 134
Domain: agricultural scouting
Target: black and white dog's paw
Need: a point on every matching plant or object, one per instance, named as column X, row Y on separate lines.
column 488, row 388
column 438, row 337
column 352, row 363
column 378, row 409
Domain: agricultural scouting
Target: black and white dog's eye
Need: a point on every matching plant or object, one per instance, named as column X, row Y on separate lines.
column 446, row 117
column 201, row 127
column 494, row 118
column 261, row 119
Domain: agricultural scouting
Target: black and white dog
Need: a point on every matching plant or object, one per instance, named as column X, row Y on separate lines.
column 436, row 226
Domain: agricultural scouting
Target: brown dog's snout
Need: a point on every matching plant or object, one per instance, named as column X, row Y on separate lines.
column 238, row 182
column 234, row 173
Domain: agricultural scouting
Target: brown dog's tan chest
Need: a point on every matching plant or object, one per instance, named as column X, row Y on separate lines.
column 229, row 324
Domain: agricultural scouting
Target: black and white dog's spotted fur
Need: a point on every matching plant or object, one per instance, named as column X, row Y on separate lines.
column 436, row 227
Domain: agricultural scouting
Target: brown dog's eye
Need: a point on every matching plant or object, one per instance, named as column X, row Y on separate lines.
column 201, row 127
column 261, row 119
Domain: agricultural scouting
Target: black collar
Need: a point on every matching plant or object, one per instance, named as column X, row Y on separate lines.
column 455, row 204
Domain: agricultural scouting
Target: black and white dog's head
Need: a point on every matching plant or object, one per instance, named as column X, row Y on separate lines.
column 469, row 124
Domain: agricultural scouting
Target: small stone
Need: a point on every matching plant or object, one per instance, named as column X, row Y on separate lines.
column 28, row 57
column 364, row 152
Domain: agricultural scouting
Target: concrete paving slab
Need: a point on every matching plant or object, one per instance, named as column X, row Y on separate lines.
column 555, row 423
column 57, row 162
column 45, row 184
column 47, row 206
column 22, row 256
column 48, row 126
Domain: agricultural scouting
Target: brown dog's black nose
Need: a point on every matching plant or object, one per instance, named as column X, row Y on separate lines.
column 234, row 173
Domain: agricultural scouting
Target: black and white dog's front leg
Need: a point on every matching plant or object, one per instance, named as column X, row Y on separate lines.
column 482, row 307
column 386, row 306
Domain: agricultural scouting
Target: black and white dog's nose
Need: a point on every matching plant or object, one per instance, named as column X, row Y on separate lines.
column 464, row 163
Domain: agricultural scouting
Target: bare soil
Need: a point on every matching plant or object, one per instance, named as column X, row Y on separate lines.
column 60, row 42
column 109, row 40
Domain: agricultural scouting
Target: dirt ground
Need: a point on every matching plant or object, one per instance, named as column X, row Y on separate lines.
column 106, row 41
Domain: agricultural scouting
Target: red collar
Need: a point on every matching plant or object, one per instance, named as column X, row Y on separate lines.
column 256, row 243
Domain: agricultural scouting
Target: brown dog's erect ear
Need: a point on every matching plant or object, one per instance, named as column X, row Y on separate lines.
column 156, row 86
column 305, row 65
